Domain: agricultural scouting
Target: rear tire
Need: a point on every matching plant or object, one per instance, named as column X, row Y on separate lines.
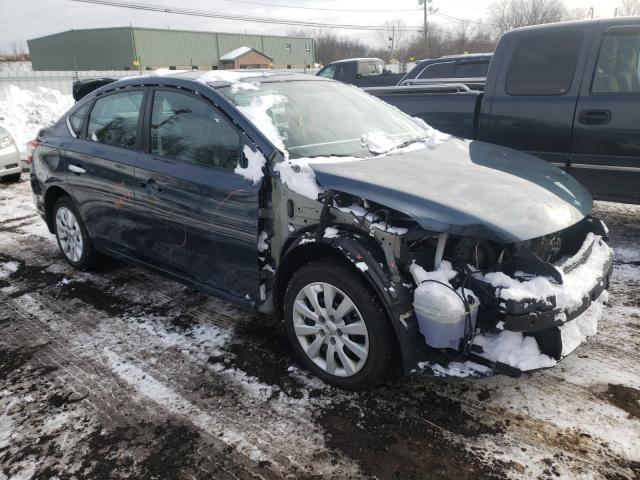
column 71, row 234
column 349, row 342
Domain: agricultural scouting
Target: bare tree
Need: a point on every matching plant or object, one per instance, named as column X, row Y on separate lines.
column 578, row 13
column 509, row 14
column 461, row 36
column 629, row 8
column 392, row 37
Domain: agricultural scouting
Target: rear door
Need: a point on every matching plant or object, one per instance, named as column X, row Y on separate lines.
column 536, row 93
column 606, row 142
column 197, row 218
column 101, row 163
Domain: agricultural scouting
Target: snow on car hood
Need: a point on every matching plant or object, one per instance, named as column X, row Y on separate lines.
column 466, row 188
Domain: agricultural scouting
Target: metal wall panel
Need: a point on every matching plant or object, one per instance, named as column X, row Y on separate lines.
column 163, row 48
column 96, row 49
column 117, row 48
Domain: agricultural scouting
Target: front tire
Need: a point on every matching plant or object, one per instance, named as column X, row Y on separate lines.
column 72, row 237
column 337, row 326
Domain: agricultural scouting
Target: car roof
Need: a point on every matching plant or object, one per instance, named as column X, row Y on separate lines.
column 209, row 79
column 218, row 77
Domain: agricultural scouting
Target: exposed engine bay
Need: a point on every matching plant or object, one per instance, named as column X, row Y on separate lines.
column 468, row 291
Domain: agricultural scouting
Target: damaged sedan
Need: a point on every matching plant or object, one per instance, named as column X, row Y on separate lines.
column 377, row 239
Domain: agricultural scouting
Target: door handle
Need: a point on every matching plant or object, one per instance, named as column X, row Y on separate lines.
column 594, row 117
column 77, row 169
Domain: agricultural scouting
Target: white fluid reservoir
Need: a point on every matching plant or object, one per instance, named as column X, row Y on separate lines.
column 441, row 314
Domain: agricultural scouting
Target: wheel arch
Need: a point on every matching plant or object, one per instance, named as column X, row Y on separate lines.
column 351, row 249
column 51, row 196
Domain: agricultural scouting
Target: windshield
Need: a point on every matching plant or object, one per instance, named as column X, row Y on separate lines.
column 317, row 118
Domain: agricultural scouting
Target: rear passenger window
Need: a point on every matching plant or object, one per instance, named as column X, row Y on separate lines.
column 76, row 119
column 369, row 69
column 618, row 66
column 438, row 70
column 544, row 63
column 186, row 128
column 471, row 69
column 114, row 119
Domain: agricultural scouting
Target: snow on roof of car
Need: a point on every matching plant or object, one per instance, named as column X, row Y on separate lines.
column 363, row 59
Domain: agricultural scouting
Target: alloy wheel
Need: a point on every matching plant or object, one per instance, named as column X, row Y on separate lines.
column 69, row 234
column 330, row 329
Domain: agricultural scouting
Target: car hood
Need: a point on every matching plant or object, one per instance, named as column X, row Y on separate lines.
column 467, row 188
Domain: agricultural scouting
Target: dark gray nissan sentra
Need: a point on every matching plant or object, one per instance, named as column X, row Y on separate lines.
column 378, row 240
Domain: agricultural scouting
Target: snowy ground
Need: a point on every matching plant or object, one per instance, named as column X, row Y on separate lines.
column 123, row 374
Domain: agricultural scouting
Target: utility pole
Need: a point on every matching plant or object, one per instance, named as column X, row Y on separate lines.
column 426, row 29
column 427, row 9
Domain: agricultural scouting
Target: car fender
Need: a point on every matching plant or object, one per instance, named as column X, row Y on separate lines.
column 396, row 297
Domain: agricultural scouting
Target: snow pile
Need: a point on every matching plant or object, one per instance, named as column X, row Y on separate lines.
column 434, row 137
column 376, row 222
column 586, row 325
column 26, row 112
column 577, row 284
column 298, row 174
column 456, row 369
column 263, row 246
column 231, row 76
column 362, row 266
column 255, row 164
column 7, row 268
column 331, row 232
column 258, row 113
column 514, row 349
column 377, row 142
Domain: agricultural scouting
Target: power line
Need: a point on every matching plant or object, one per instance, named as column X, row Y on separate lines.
column 463, row 20
column 320, row 8
column 241, row 18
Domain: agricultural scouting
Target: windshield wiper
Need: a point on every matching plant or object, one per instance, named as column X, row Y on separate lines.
column 406, row 144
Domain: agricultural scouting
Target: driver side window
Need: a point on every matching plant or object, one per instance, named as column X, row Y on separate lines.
column 186, row 128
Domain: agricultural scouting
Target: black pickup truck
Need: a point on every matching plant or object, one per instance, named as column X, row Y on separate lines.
column 568, row 93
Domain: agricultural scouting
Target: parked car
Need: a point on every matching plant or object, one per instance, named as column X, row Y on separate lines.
column 568, row 93
column 362, row 72
column 470, row 69
column 366, row 231
column 10, row 166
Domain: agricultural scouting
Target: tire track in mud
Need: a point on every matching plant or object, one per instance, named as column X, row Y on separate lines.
column 110, row 398
column 232, row 416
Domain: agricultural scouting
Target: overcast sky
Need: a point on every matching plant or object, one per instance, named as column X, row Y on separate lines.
column 21, row 20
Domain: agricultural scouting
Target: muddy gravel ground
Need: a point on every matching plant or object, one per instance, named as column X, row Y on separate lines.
column 121, row 374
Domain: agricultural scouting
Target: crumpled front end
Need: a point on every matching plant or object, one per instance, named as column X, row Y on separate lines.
column 513, row 307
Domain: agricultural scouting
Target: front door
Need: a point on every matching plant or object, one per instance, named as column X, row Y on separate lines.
column 606, row 140
column 536, row 93
column 101, row 166
column 197, row 218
